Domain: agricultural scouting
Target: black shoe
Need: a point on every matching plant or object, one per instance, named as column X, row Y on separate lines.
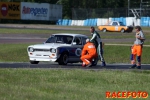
column 103, row 64
column 138, row 67
column 133, row 66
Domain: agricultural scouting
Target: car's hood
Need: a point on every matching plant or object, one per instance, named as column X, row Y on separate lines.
column 49, row 45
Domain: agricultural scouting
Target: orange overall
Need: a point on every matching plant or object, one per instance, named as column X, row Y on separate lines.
column 88, row 53
column 136, row 51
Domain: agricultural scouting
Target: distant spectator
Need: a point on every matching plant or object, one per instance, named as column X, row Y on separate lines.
column 136, row 50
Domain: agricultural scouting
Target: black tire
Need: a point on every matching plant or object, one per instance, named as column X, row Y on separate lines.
column 94, row 63
column 63, row 60
column 34, row 62
column 104, row 30
column 122, row 30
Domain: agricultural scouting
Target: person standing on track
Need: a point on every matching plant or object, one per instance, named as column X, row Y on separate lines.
column 136, row 49
column 96, row 39
column 88, row 53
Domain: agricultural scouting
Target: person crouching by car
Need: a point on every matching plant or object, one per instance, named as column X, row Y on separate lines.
column 88, row 53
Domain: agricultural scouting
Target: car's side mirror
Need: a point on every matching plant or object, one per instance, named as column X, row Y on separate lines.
column 74, row 43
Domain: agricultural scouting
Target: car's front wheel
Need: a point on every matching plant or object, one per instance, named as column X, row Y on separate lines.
column 104, row 30
column 122, row 30
column 34, row 62
column 63, row 60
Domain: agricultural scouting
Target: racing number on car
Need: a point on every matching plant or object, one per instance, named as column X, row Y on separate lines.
column 78, row 52
column 116, row 28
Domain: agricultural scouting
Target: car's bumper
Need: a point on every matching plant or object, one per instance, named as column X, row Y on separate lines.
column 40, row 56
column 42, row 59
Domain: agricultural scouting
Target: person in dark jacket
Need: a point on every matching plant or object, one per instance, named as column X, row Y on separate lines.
column 96, row 39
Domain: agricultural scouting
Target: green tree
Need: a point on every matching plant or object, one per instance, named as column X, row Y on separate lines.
column 66, row 8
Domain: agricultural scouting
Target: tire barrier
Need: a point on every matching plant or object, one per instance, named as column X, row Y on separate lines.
column 102, row 21
column 145, row 21
column 129, row 21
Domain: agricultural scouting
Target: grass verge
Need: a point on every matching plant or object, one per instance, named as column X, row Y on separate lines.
column 35, row 31
column 43, row 84
column 112, row 54
column 107, row 35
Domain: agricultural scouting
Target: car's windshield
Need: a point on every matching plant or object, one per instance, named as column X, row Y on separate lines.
column 65, row 39
column 121, row 24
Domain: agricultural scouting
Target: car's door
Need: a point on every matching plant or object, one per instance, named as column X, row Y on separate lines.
column 115, row 26
column 121, row 26
column 77, row 47
column 84, row 41
column 110, row 27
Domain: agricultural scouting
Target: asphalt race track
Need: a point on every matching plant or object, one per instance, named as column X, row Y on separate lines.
column 39, row 38
column 70, row 66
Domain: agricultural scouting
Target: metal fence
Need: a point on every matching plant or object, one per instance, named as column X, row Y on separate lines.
column 81, row 13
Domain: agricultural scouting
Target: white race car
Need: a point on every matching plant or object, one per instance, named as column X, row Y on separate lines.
column 62, row 48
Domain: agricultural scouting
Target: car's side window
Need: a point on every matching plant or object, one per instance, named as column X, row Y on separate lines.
column 59, row 39
column 64, row 39
column 78, row 41
column 84, row 40
column 69, row 40
column 115, row 24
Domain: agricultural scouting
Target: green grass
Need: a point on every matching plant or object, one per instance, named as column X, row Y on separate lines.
column 118, row 35
column 146, row 28
column 128, row 43
column 121, row 54
column 34, row 31
column 112, row 54
column 107, row 35
column 43, row 84
column 13, row 52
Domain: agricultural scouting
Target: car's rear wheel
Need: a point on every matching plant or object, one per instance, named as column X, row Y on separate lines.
column 63, row 60
column 122, row 30
column 104, row 30
column 34, row 62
